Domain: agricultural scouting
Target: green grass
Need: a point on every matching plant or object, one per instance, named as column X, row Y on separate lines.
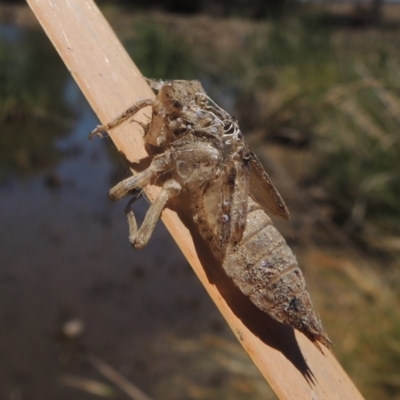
column 27, row 61
column 159, row 53
column 33, row 110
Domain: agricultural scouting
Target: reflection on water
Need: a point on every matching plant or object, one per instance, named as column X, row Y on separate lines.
column 65, row 255
column 34, row 106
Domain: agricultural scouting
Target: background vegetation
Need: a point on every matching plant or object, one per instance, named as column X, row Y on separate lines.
column 317, row 92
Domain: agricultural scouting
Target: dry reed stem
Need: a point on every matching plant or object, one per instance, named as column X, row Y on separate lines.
column 120, row 381
column 293, row 366
column 87, row 385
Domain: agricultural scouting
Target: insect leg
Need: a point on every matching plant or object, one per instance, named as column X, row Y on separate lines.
column 140, row 236
column 160, row 163
column 154, row 103
column 138, row 181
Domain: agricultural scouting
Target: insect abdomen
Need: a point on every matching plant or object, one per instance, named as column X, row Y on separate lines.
column 265, row 269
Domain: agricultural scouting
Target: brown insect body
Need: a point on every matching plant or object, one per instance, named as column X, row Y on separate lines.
column 204, row 154
column 264, row 268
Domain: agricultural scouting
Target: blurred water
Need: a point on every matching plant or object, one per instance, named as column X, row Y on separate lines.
column 65, row 255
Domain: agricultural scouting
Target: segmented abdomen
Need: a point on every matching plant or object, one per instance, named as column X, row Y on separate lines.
column 265, row 269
